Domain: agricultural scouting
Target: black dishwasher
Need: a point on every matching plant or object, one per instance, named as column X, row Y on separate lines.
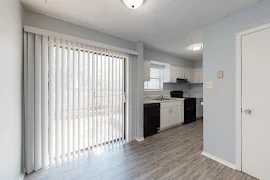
column 151, row 119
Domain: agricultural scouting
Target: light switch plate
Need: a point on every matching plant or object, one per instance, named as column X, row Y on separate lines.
column 209, row 85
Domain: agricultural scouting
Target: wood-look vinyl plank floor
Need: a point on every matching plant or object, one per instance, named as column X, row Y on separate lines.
column 174, row 154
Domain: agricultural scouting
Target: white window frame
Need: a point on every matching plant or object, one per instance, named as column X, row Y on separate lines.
column 161, row 78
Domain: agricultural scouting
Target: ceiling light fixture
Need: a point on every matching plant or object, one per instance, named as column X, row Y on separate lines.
column 133, row 4
column 196, row 47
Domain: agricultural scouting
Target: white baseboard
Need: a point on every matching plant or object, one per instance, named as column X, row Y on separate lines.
column 230, row 165
column 140, row 139
column 22, row 175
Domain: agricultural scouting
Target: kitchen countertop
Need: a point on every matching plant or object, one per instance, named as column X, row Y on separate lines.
column 162, row 101
column 194, row 96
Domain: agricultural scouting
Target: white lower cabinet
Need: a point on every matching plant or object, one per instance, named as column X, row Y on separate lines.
column 164, row 118
column 174, row 117
column 181, row 114
column 171, row 114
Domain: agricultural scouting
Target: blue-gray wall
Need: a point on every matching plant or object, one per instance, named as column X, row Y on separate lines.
column 53, row 24
column 198, row 64
column 140, row 71
column 154, row 55
column 219, row 54
column 11, row 89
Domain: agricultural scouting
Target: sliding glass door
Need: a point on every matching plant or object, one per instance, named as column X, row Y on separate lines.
column 88, row 99
column 77, row 97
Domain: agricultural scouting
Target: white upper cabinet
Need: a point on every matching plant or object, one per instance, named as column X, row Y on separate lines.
column 174, row 73
column 170, row 74
column 190, row 75
column 186, row 73
column 183, row 73
column 146, row 70
column 180, row 72
column 198, row 75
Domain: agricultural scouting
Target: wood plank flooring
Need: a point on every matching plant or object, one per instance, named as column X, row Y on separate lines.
column 172, row 154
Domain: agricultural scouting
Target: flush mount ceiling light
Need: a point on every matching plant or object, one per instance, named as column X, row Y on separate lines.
column 133, row 4
column 196, row 47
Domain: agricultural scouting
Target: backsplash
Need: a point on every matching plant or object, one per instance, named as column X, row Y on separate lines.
column 176, row 87
column 195, row 90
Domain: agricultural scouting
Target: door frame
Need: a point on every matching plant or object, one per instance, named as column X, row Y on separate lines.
column 239, row 90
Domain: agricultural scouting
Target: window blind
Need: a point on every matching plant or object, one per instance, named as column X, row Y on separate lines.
column 78, row 98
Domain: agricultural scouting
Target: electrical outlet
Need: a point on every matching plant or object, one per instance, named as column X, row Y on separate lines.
column 209, row 85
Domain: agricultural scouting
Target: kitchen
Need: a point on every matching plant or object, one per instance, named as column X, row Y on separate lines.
column 173, row 94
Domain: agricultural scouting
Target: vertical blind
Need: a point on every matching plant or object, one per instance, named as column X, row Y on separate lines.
column 78, row 98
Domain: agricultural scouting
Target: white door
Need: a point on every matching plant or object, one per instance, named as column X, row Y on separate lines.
column 164, row 118
column 174, row 115
column 255, row 107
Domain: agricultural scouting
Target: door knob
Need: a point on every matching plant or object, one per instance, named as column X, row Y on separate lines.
column 248, row 111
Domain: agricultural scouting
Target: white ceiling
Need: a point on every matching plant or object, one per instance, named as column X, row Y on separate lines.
column 167, row 25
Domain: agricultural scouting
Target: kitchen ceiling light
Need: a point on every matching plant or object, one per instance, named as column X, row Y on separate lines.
column 196, row 47
column 133, row 4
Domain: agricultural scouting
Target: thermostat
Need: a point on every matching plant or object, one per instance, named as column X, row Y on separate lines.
column 220, row 74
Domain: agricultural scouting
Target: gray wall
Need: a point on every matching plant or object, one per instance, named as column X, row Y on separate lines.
column 219, row 54
column 52, row 24
column 11, row 89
